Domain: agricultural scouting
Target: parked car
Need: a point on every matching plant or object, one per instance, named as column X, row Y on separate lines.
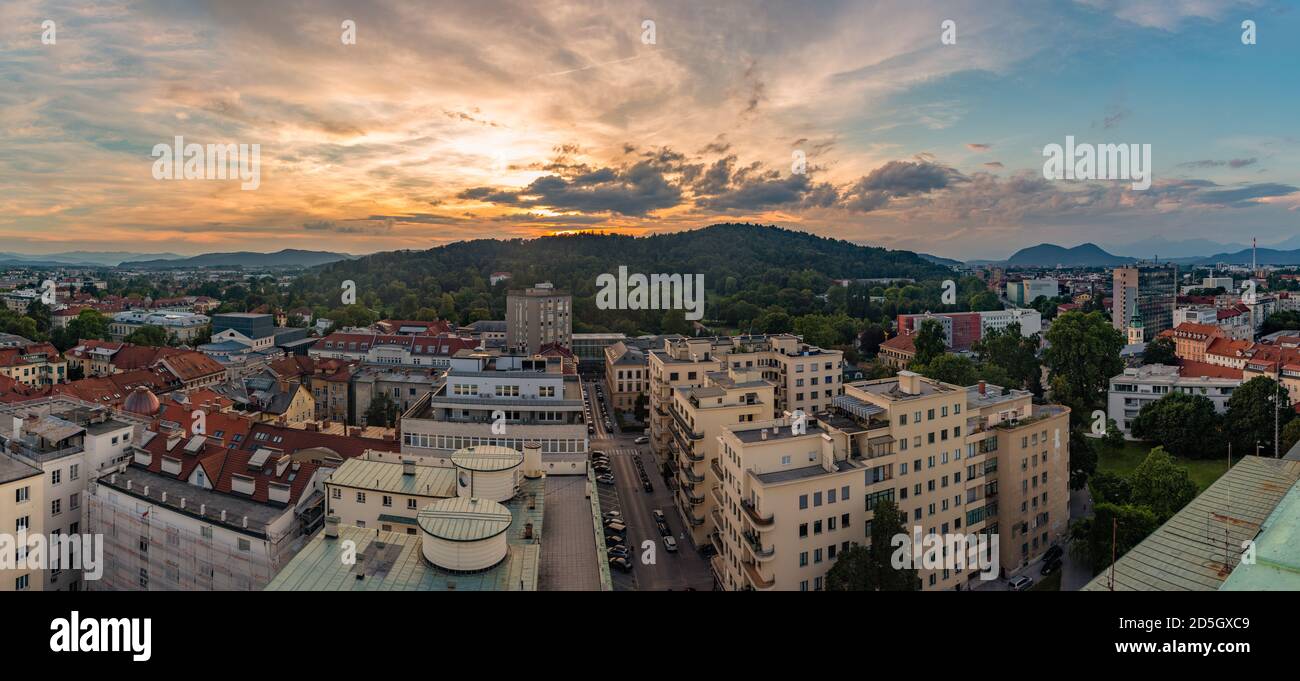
column 612, row 515
column 621, row 563
column 1021, row 583
column 615, row 527
column 647, row 486
column 658, row 515
column 642, row 440
column 617, row 552
column 614, row 540
column 670, row 544
column 664, row 529
column 605, row 479
column 1050, row 566
column 1053, row 553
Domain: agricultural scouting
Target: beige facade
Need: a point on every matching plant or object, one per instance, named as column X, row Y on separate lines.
column 22, row 509
column 627, row 375
column 956, row 460
column 728, row 399
column 805, row 377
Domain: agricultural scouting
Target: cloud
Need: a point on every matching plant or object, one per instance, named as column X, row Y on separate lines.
column 993, row 164
column 635, row 191
column 1246, row 194
column 978, row 146
column 1234, row 163
column 898, row 179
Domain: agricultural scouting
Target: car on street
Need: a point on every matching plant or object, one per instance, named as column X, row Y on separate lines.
column 670, row 543
column 615, row 527
column 605, row 479
column 612, row 515
column 642, row 440
column 664, row 529
column 658, row 515
column 1050, row 566
column 621, row 563
column 614, row 540
column 618, row 552
column 647, row 486
column 1053, row 553
column 1020, row 583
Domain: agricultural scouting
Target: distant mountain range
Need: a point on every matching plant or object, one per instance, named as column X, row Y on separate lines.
column 289, row 257
column 1051, row 255
column 82, row 258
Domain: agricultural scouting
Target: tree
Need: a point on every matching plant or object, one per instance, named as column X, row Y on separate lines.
column 870, row 339
column 1160, row 351
column 985, row 301
column 1082, row 356
column 383, row 411
column 870, row 568
column 1290, row 435
column 1186, row 425
column 1090, row 538
column 155, row 336
column 929, row 341
column 1162, row 485
column 1083, row 458
column 1015, row 354
column 1110, row 488
column 1250, row 417
column 949, row 368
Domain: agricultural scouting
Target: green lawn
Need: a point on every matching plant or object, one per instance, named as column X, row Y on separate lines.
column 1122, row 461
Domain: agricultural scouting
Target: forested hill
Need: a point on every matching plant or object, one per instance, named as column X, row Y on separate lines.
column 758, row 265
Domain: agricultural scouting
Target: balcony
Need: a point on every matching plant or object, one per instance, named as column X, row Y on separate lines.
column 755, row 578
column 717, row 567
column 761, row 522
column 716, row 515
column 717, row 542
column 716, row 490
column 691, row 496
column 691, row 475
column 717, row 470
column 685, row 427
column 756, row 547
column 694, row 520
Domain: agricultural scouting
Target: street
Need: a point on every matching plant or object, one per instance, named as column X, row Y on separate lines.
column 680, row 570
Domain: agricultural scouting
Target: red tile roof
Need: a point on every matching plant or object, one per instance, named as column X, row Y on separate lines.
column 1191, row 369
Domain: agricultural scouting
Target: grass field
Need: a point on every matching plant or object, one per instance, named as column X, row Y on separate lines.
column 1125, row 459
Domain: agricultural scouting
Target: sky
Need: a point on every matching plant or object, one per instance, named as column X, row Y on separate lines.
column 448, row 121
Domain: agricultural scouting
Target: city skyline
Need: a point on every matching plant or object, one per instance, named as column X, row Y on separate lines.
column 512, row 120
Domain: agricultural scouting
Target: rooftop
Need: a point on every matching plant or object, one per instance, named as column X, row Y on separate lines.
column 395, row 562
column 383, row 476
column 464, row 519
column 1277, row 552
column 1198, row 547
column 12, row 469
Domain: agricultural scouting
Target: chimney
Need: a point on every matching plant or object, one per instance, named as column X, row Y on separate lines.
column 164, row 498
column 983, row 386
column 223, row 515
column 182, row 503
column 245, row 522
column 331, row 527
column 408, row 467
column 203, row 509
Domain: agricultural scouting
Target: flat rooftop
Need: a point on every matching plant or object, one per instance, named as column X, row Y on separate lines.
column 395, row 562
column 384, row 476
column 12, row 470
column 237, row 508
column 773, row 434
column 804, row 472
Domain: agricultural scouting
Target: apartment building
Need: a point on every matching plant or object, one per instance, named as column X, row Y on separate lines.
column 962, row 460
column 627, row 375
column 733, row 399
column 392, row 349
column 22, row 504
column 1140, row 386
column 1026, row 291
column 1148, row 291
column 188, row 514
column 502, row 400
column 961, row 330
column 537, row 316
column 34, row 364
column 385, row 496
column 71, row 443
column 805, row 377
column 403, row 385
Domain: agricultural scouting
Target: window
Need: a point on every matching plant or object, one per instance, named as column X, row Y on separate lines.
column 817, row 527
column 817, row 498
column 21, row 583
column 56, row 476
column 844, row 493
column 803, row 529
column 411, row 504
column 388, row 501
column 245, row 545
column 336, row 493
column 361, row 497
column 803, row 560
column 22, row 494
column 56, row 507
column 74, row 501
column 74, row 471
